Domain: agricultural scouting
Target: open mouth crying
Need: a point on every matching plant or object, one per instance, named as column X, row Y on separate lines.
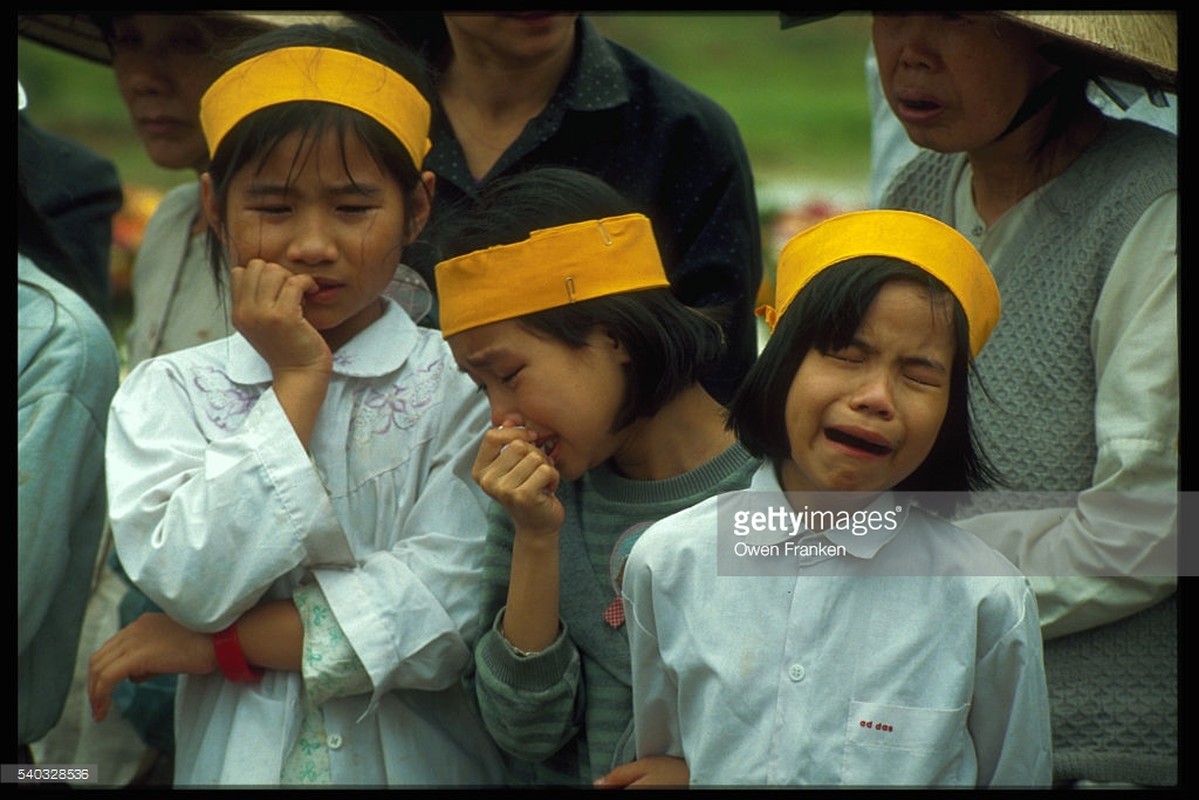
column 841, row 437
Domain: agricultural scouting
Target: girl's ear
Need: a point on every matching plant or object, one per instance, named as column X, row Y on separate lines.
column 622, row 352
column 209, row 204
column 420, row 203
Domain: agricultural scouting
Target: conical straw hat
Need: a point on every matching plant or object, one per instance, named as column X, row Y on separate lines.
column 1135, row 46
column 1138, row 47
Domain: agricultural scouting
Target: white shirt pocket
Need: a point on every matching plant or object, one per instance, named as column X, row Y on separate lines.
column 889, row 745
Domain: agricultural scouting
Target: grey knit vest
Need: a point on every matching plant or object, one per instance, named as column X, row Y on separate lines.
column 1114, row 689
column 1038, row 428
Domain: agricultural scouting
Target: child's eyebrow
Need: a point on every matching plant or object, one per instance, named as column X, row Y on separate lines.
column 368, row 189
column 922, row 361
column 266, row 189
column 347, row 189
column 907, row 361
column 482, row 360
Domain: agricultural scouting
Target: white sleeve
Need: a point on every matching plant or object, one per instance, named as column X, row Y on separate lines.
column 1125, row 524
column 656, row 726
column 204, row 526
column 1009, row 714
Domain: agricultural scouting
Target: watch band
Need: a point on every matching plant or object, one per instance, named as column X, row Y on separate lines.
column 231, row 658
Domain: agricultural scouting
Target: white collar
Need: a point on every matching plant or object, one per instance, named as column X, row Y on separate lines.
column 379, row 349
column 885, row 510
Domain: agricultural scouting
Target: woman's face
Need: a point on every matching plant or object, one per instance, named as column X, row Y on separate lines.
column 863, row 418
column 163, row 65
column 955, row 80
column 568, row 397
column 323, row 208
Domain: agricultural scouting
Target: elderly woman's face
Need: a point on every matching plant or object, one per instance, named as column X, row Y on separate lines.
column 163, row 65
column 955, row 80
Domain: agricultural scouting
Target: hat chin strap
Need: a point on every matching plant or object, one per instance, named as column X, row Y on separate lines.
column 1039, row 97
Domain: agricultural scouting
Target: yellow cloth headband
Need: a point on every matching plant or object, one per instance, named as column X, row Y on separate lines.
column 323, row 74
column 921, row 241
column 553, row 267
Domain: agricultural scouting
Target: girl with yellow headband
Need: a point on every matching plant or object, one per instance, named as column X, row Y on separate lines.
column 557, row 305
column 294, row 496
column 819, row 629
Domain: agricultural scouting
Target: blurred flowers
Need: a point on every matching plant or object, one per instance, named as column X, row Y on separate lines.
column 128, row 228
column 781, row 225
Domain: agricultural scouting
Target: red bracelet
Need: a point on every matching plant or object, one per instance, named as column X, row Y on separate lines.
column 231, row 658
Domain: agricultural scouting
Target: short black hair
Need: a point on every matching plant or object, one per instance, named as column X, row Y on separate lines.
column 252, row 139
column 671, row 345
column 824, row 316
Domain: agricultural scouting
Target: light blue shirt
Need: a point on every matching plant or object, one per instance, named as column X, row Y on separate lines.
column 912, row 658
column 66, row 375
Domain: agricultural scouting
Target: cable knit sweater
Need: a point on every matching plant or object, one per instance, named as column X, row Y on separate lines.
column 1113, row 689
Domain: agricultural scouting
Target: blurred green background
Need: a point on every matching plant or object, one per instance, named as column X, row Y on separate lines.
column 797, row 95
